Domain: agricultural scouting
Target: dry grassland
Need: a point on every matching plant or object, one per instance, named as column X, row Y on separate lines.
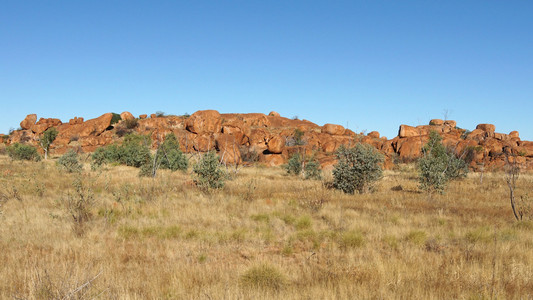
column 264, row 236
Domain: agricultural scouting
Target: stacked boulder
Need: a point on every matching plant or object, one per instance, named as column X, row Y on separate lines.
column 273, row 139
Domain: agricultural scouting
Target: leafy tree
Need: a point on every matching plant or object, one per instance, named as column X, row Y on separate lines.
column 358, row 168
column 438, row 166
column 208, row 172
column 46, row 139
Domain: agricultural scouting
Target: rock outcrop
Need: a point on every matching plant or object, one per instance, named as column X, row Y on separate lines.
column 28, row 122
column 272, row 139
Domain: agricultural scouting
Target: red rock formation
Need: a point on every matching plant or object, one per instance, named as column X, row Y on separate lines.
column 276, row 138
column 228, row 149
column 75, row 121
column 276, row 144
column 126, row 116
column 333, row 129
column 28, row 122
column 204, row 121
column 44, row 124
column 373, row 134
column 437, row 122
column 486, row 127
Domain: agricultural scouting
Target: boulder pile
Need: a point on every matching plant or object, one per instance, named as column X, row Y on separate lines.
column 272, row 139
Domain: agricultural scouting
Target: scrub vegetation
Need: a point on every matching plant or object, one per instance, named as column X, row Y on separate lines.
column 106, row 233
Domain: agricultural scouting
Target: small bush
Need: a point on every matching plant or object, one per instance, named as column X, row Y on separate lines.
column 115, row 119
column 312, row 170
column 23, row 152
column 310, row 167
column 294, row 165
column 133, row 152
column 79, row 205
column 263, row 277
column 358, row 168
column 438, row 165
column 208, row 172
column 70, row 162
column 171, row 156
column 131, row 123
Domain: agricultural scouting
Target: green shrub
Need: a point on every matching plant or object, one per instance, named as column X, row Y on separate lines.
column 134, row 152
column 358, row 168
column 438, row 165
column 170, row 156
column 70, row 162
column 105, row 155
column 23, row 152
column 263, row 276
column 135, row 155
column 310, row 167
column 294, row 165
column 115, row 119
column 208, row 172
column 312, row 170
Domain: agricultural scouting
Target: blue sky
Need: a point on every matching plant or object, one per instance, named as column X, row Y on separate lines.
column 368, row 65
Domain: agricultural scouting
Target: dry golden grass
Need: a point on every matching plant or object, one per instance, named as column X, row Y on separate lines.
column 264, row 236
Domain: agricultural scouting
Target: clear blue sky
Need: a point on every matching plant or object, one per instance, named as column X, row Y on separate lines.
column 371, row 65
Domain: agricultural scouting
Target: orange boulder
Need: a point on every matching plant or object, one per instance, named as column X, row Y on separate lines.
column 276, row 145
column 333, row 129
column 437, row 122
column 374, row 134
column 75, row 121
column 272, row 160
column 204, row 121
column 28, row 122
column 203, row 143
column 406, row 131
column 514, row 134
column 126, row 116
column 486, row 127
column 450, row 123
column 228, row 149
